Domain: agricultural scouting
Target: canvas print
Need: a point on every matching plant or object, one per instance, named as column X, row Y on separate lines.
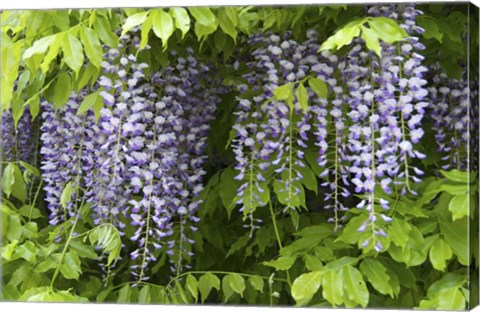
column 316, row 156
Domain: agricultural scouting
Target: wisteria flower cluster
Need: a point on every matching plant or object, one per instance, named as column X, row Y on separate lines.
column 272, row 135
column 375, row 114
column 17, row 142
column 142, row 161
column 450, row 117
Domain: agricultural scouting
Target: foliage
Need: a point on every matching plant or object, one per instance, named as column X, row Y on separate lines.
column 288, row 253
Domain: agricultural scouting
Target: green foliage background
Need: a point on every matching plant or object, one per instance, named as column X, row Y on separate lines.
column 431, row 257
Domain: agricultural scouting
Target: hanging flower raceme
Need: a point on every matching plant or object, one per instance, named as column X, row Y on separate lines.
column 183, row 117
column 272, row 135
column 17, row 142
column 386, row 98
column 449, row 98
column 119, row 136
column 63, row 155
column 473, row 123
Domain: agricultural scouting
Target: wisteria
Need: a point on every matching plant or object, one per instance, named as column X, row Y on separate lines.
column 142, row 161
column 450, row 117
column 17, row 142
column 376, row 109
column 387, row 98
column 63, row 155
column 277, row 144
column 330, row 132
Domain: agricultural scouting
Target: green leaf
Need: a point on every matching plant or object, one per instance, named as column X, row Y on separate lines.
column 18, row 189
column 83, row 250
column 236, row 282
column 282, row 263
column 312, row 263
column 93, row 49
column 73, row 52
column 459, row 206
column 284, row 93
column 238, row 245
column 456, row 175
column 40, row 46
column 297, row 248
column 203, row 15
column 14, row 230
column 180, row 292
column 206, row 283
column 302, row 96
column 182, row 19
column 146, row 26
column 88, row 102
column 191, row 284
column 70, row 268
column 162, row 25
column 144, row 296
column 444, row 298
column 232, row 14
column 226, row 288
column 355, row 287
column 46, row 294
column 257, row 283
column 227, row 25
column 305, row 286
column 398, row 232
column 227, row 189
column 104, row 31
column 350, row 233
column 11, row 55
column 333, row 288
column 62, row 90
column 376, row 273
column 455, row 232
column 454, row 189
column 66, row 196
column 27, row 251
column 342, row 37
column 371, row 39
column 340, row 263
column 22, row 81
column 34, row 105
column 431, row 28
column 8, row 179
column 202, row 31
column 124, row 294
column 439, row 254
column 10, row 293
column 449, row 280
column 309, row 180
column 319, row 87
column 30, row 230
column 451, row 299
column 52, row 51
column 97, row 107
column 387, row 29
column 132, row 21
column 30, row 168
column 107, row 237
column 6, row 251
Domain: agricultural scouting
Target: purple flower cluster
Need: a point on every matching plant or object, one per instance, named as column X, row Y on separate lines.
column 17, row 142
column 142, row 161
column 64, row 136
column 450, row 100
column 375, row 110
column 272, row 135
column 183, row 117
column 387, row 100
